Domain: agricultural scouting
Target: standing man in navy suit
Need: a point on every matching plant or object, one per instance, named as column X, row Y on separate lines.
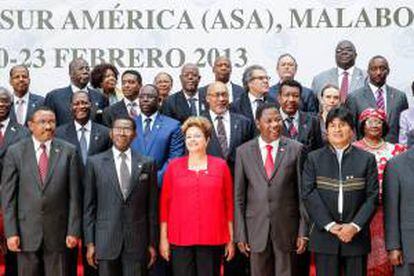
column 286, row 69
column 59, row 99
column 222, row 70
column 24, row 102
column 89, row 138
column 158, row 136
column 189, row 101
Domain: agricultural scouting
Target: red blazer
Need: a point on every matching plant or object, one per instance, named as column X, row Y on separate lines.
column 197, row 206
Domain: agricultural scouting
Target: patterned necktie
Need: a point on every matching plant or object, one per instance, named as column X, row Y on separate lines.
column 132, row 110
column 19, row 115
column 221, row 136
column 43, row 164
column 147, row 128
column 344, row 87
column 193, row 107
column 1, row 135
column 293, row 132
column 380, row 99
column 269, row 163
column 125, row 175
column 83, row 145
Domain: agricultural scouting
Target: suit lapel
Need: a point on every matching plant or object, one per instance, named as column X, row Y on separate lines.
column 94, row 138
column 30, row 155
column 257, row 156
column 154, row 132
column 140, row 141
column 182, row 104
column 31, row 105
column 279, row 156
column 111, row 170
column 390, row 102
column 369, row 96
column 10, row 134
column 214, row 145
column 303, row 126
column 54, row 156
column 234, row 131
column 333, row 77
column 136, row 167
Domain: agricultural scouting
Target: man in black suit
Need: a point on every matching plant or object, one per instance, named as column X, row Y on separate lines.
column 222, row 71
column 301, row 126
column 129, row 106
column 256, row 86
column 286, row 69
column 59, row 99
column 41, row 199
column 10, row 133
column 24, row 102
column 120, row 206
column 89, row 138
column 377, row 94
column 189, row 101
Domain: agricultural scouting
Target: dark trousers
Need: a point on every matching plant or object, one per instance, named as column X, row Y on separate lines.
column 196, row 260
column 73, row 263
column 335, row 265
column 124, row 265
column 303, row 264
column 238, row 266
column 404, row 270
column 160, row 268
column 10, row 261
column 42, row 262
column 273, row 261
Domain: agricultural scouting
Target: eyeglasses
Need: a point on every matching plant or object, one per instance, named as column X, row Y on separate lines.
column 261, row 78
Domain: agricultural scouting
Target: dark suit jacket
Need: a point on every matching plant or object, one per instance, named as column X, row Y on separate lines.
column 42, row 215
column 241, row 131
column 13, row 134
column 243, row 107
column 114, row 224
column 99, row 142
column 164, row 142
column 176, row 106
column 308, row 100
column 34, row 102
column 114, row 111
column 59, row 101
column 309, row 132
column 237, row 90
column 364, row 98
column 398, row 194
column 263, row 205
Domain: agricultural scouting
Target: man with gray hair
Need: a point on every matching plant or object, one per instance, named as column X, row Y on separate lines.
column 59, row 99
column 256, row 86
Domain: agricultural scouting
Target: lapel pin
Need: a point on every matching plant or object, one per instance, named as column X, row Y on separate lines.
column 139, row 165
column 33, row 105
column 96, row 137
column 13, row 128
column 57, row 150
column 157, row 126
column 282, row 149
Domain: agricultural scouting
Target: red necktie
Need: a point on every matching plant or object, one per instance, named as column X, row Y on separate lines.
column 43, row 164
column 269, row 164
column 344, row 87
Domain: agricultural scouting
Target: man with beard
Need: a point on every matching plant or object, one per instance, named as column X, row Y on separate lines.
column 24, row 102
column 222, row 70
column 377, row 94
column 59, row 99
column 41, row 199
column 189, row 101
column 345, row 75
column 10, row 133
column 270, row 225
column 129, row 106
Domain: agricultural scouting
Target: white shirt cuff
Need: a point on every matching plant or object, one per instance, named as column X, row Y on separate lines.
column 329, row 226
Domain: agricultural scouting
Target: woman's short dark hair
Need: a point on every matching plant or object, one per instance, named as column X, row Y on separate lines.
column 341, row 113
column 385, row 128
column 98, row 73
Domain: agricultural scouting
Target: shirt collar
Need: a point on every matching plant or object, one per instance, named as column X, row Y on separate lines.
column 128, row 102
column 225, row 115
column 117, row 153
column 252, row 98
column 152, row 117
column 77, row 89
column 349, row 70
column 5, row 124
column 263, row 144
column 285, row 116
column 25, row 98
column 38, row 143
column 87, row 126
column 374, row 88
column 187, row 97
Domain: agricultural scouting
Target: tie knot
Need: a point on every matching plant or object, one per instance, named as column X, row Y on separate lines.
column 219, row 118
column 82, row 129
column 43, row 147
column 123, row 155
column 132, row 104
column 269, row 148
column 379, row 91
column 346, row 73
column 20, row 101
column 148, row 120
column 290, row 119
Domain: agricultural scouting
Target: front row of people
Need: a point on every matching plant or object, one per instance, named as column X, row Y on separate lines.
column 282, row 200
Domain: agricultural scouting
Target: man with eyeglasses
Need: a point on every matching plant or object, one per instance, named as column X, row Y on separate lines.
column 189, row 101
column 256, row 86
column 41, row 199
column 345, row 75
column 120, row 206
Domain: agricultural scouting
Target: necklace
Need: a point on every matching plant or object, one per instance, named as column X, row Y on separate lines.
column 373, row 145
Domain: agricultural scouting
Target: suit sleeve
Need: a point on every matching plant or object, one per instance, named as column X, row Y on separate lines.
column 89, row 204
column 391, row 200
column 310, row 195
column 153, row 205
column 240, row 190
column 304, row 218
column 364, row 213
column 9, row 188
column 75, row 212
column 228, row 193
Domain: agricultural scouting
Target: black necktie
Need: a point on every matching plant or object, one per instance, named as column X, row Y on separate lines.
column 193, row 108
column 221, row 136
column 147, row 128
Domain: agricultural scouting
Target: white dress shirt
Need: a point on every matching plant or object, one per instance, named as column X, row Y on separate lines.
column 128, row 104
column 230, row 89
column 5, row 124
column 226, row 122
column 375, row 89
column 88, row 130
column 77, row 89
column 118, row 159
column 17, row 102
column 38, row 150
column 263, row 149
column 253, row 103
column 152, row 117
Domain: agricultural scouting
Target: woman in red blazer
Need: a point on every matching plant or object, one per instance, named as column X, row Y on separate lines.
column 197, row 207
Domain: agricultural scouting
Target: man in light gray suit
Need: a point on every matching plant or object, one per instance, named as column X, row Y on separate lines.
column 377, row 94
column 269, row 222
column 346, row 75
column 40, row 198
column 398, row 194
